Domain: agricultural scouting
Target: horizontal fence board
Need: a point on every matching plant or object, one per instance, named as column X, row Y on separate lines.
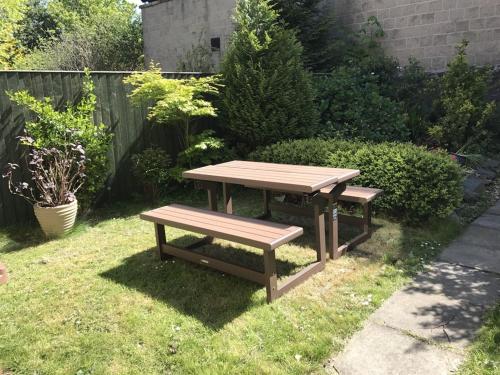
column 132, row 131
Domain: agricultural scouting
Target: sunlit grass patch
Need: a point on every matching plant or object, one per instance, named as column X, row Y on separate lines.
column 99, row 301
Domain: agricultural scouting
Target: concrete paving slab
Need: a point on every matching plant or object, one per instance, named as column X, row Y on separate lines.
column 481, row 236
column 489, row 221
column 378, row 350
column 444, row 304
column 468, row 255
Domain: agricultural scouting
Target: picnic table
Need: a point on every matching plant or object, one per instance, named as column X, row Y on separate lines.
column 321, row 186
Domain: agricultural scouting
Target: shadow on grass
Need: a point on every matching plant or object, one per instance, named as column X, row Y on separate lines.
column 207, row 295
column 21, row 237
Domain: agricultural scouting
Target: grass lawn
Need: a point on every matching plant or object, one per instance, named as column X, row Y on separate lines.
column 484, row 355
column 100, row 302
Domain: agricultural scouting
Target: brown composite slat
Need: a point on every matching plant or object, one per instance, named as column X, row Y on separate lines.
column 284, row 177
column 229, row 226
column 233, row 228
column 268, row 180
column 358, row 194
column 276, row 176
column 342, row 173
column 223, row 218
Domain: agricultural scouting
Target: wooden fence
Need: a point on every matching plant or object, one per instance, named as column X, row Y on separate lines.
column 131, row 130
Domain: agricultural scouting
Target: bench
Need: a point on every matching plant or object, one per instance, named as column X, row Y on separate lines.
column 363, row 196
column 261, row 234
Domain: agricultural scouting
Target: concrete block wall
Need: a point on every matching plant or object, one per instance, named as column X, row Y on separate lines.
column 430, row 29
column 426, row 29
column 173, row 27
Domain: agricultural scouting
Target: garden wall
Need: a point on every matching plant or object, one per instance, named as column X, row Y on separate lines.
column 430, row 29
column 426, row 29
column 129, row 125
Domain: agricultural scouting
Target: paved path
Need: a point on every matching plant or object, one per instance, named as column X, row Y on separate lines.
column 425, row 327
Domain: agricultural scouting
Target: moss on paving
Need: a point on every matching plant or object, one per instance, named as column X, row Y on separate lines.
column 99, row 301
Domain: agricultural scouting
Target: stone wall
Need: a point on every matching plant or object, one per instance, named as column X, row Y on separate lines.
column 172, row 28
column 430, row 30
column 426, row 29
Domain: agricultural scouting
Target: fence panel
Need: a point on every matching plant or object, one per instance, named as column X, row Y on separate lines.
column 132, row 132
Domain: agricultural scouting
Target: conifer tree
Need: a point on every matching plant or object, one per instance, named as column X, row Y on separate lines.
column 268, row 95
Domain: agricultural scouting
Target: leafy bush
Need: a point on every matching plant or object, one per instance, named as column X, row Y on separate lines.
column 352, row 106
column 74, row 125
column 417, row 184
column 205, row 149
column 150, row 167
column 464, row 108
column 268, row 94
column 56, row 174
column 177, row 102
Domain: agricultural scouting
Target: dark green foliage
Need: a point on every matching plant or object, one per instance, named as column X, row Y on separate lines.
column 417, row 91
column 268, row 95
column 417, row 184
column 352, row 106
column 323, row 38
column 463, row 107
column 37, row 26
column 150, row 167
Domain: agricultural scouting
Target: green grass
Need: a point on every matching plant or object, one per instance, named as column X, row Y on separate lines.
column 99, row 301
column 483, row 357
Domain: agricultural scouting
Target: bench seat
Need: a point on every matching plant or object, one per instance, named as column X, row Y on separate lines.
column 357, row 194
column 252, row 232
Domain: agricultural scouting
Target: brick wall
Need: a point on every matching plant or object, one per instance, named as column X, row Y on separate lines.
column 430, row 29
column 426, row 29
column 173, row 27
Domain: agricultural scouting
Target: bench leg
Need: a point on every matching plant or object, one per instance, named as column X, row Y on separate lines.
column 366, row 225
column 270, row 275
column 161, row 240
column 367, row 219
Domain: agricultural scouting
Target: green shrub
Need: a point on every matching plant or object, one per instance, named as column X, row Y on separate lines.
column 463, row 106
column 150, row 167
column 268, row 94
column 352, row 106
column 75, row 124
column 417, row 184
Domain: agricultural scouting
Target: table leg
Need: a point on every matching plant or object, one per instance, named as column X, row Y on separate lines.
column 227, row 198
column 333, row 229
column 319, row 226
column 212, row 198
column 267, row 201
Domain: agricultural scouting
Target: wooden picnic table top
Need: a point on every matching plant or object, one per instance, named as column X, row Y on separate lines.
column 282, row 177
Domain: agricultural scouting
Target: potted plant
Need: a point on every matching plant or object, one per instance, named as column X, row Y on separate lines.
column 56, row 175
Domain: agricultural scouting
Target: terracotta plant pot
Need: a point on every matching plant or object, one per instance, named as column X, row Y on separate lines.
column 56, row 221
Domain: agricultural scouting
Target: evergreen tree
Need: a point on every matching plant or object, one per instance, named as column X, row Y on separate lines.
column 324, row 40
column 268, row 95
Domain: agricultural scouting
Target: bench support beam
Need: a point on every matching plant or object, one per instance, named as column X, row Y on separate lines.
column 269, row 278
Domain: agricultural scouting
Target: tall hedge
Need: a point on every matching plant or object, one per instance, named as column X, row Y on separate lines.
column 268, row 94
column 417, row 184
